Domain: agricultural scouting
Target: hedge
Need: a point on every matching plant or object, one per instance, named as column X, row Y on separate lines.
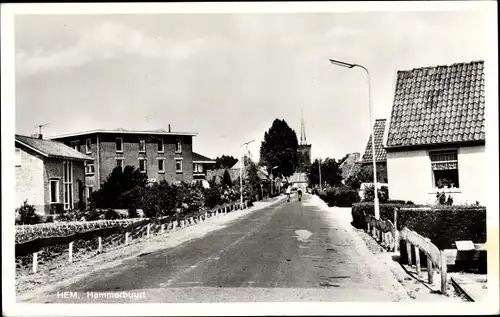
column 386, row 212
column 341, row 196
column 443, row 225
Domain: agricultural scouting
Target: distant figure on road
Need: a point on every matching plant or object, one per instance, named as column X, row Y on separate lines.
column 288, row 192
column 299, row 192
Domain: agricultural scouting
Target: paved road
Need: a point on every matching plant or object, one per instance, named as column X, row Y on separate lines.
column 292, row 251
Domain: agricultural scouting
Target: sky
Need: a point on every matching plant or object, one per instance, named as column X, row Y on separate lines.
column 229, row 76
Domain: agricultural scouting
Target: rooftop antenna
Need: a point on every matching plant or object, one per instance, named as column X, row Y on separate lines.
column 40, row 126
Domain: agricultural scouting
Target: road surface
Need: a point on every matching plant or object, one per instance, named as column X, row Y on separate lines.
column 291, row 251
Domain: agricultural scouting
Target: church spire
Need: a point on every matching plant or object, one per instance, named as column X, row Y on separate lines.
column 303, row 140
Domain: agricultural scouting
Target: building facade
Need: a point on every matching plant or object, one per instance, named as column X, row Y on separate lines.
column 49, row 175
column 436, row 138
column 162, row 155
column 380, row 153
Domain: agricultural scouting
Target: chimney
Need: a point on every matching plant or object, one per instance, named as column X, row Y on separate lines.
column 40, row 136
column 169, row 128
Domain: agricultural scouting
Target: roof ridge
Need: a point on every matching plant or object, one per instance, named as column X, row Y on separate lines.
column 481, row 61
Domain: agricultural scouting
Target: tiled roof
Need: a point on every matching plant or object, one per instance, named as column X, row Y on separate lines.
column 200, row 158
column 380, row 154
column 51, row 148
column 438, row 105
column 349, row 166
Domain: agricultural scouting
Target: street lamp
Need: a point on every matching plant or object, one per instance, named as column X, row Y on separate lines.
column 349, row 65
column 241, row 170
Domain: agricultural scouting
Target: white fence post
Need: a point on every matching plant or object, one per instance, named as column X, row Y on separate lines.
column 99, row 245
column 417, row 259
column 35, row 262
column 444, row 280
column 126, row 238
column 162, row 228
column 71, row 252
column 148, row 230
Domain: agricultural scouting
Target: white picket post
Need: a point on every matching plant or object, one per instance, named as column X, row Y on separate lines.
column 148, row 230
column 162, row 228
column 206, row 215
column 35, row 262
column 174, row 225
column 126, row 238
column 99, row 245
column 71, row 252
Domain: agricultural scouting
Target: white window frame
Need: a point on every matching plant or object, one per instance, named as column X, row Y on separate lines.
column 178, row 146
column 68, row 184
column 121, row 160
column 19, row 157
column 176, row 169
column 58, row 198
column 89, row 169
column 116, row 145
column 143, row 150
column 88, row 145
column 75, row 145
column 196, row 169
column 162, row 145
column 142, row 159
column 444, row 151
column 161, row 159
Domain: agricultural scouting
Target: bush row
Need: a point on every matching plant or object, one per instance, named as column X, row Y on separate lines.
column 442, row 224
column 341, row 196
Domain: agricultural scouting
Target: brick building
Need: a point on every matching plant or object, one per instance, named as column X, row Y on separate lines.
column 49, row 175
column 162, row 155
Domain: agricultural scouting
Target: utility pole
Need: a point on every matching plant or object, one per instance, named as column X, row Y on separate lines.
column 242, row 165
column 319, row 168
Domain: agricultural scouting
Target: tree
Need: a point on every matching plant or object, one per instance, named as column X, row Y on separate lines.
column 330, row 172
column 279, row 148
column 365, row 175
column 118, row 182
column 252, row 176
column 226, row 179
column 225, row 161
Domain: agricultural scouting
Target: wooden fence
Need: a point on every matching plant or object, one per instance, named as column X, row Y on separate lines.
column 434, row 256
column 385, row 232
column 150, row 228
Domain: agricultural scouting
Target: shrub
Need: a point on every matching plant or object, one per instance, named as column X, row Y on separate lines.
column 27, row 215
column 444, row 225
column 354, row 182
column 111, row 214
column 213, row 196
column 386, row 212
column 369, row 194
column 132, row 212
column 342, row 196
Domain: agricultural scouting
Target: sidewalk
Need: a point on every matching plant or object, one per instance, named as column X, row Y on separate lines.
column 30, row 286
column 474, row 285
column 405, row 276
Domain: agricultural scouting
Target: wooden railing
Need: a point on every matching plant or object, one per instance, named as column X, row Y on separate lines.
column 434, row 256
column 383, row 230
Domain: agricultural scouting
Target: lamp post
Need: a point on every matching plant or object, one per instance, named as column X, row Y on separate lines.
column 272, row 180
column 349, row 65
column 242, row 165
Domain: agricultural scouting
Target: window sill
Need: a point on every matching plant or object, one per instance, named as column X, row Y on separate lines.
column 142, row 172
column 161, row 172
column 445, row 190
column 121, row 152
column 161, row 152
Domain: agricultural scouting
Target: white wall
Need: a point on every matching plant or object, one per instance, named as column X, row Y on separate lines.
column 410, row 176
column 29, row 182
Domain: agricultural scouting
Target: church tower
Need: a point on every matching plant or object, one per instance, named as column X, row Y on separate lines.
column 304, row 150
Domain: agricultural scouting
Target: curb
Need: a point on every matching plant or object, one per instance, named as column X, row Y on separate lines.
column 461, row 291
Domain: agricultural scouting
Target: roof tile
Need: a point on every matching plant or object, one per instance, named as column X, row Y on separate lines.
column 380, row 154
column 437, row 105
